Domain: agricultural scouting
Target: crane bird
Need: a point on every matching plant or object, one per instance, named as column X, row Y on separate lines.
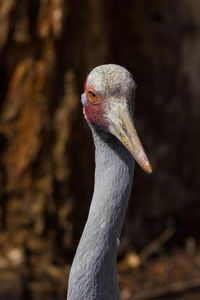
column 108, row 108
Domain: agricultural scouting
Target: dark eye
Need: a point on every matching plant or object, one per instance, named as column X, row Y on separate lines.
column 92, row 96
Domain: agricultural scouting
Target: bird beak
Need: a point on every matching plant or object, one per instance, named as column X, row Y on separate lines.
column 121, row 125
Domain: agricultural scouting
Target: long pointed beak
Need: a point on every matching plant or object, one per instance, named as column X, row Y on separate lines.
column 121, row 125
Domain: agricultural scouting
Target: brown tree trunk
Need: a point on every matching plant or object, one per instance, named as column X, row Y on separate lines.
column 43, row 53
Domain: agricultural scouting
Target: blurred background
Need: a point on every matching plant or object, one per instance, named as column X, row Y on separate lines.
column 47, row 48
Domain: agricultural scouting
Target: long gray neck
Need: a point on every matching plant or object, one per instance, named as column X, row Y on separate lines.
column 93, row 272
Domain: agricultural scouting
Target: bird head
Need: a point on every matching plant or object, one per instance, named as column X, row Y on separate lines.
column 107, row 100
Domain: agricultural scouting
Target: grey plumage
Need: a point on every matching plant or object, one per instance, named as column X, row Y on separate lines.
column 93, row 272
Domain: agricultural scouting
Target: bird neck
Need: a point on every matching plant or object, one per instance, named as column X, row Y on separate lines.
column 114, row 168
column 93, row 273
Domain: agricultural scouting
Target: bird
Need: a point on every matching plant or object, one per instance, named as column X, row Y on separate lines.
column 108, row 107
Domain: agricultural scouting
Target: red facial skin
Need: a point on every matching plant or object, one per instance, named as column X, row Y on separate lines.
column 94, row 109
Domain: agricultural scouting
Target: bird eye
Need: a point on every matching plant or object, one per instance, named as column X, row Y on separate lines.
column 92, row 96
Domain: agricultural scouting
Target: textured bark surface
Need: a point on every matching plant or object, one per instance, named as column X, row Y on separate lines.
column 46, row 152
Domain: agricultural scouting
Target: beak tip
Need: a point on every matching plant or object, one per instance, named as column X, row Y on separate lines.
column 144, row 163
column 148, row 168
